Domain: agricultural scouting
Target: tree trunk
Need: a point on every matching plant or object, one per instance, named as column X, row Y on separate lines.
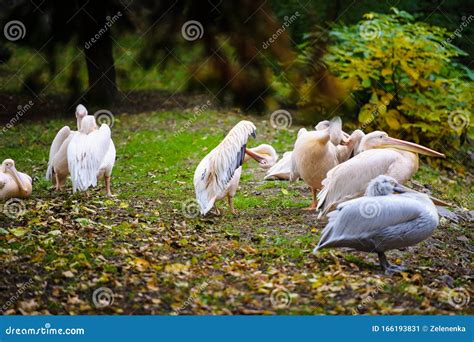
column 97, row 44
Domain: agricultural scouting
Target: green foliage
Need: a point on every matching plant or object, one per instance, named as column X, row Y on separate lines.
column 403, row 76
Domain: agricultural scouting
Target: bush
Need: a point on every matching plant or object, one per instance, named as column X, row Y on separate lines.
column 404, row 79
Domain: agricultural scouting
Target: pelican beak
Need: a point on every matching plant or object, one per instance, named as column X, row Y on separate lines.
column 411, row 147
column 345, row 139
column 18, row 180
column 254, row 155
column 400, row 189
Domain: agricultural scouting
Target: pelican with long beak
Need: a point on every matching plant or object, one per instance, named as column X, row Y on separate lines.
column 315, row 153
column 14, row 184
column 381, row 221
column 58, row 170
column 378, row 155
column 217, row 176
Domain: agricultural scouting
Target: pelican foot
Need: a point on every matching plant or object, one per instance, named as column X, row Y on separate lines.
column 388, row 267
column 310, row 208
column 393, row 269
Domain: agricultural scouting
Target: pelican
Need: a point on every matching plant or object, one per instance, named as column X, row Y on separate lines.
column 217, row 176
column 91, row 155
column 315, row 153
column 378, row 154
column 381, row 221
column 13, row 183
column 57, row 164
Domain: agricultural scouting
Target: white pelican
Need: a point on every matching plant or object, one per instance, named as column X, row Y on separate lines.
column 13, row 183
column 378, row 154
column 315, row 153
column 381, row 221
column 58, row 171
column 282, row 169
column 91, row 155
column 217, row 176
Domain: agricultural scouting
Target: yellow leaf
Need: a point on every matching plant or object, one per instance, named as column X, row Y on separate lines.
column 392, row 119
column 176, row 268
column 365, row 114
column 141, row 264
column 386, row 72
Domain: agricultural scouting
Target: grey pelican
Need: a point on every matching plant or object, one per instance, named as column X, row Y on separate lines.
column 381, row 221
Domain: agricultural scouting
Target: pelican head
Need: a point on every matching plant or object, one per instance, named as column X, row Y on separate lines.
column 385, row 185
column 88, row 124
column 380, row 139
column 264, row 154
column 81, row 111
column 8, row 166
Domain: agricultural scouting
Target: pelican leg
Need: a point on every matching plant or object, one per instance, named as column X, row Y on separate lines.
column 56, row 178
column 230, row 199
column 314, row 203
column 387, row 267
column 107, row 185
column 216, row 210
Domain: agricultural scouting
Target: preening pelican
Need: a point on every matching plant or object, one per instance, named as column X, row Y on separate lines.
column 381, row 221
column 379, row 155
column 13, row 183
column 315, row 153
column 91, row 155
column 217, row 176
column 58, row 171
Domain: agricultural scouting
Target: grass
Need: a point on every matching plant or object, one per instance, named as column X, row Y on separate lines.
column 143, row 246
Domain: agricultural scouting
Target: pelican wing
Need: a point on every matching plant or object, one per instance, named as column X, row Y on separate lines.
column 215, row 171
column 360, row 219
column 109, row 160
column 85, row 155
column 350, row 179
column 282, row 169
column 59, row 139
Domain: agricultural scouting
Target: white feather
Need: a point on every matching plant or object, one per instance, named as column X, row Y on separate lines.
column 86, row 153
